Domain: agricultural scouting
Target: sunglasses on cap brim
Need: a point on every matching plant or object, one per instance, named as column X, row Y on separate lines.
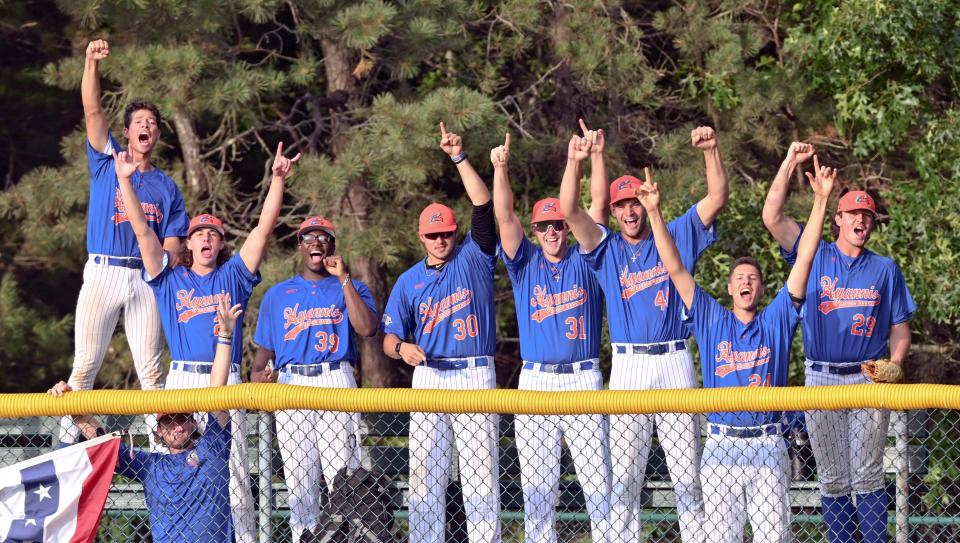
column 544, row 226
column 437, row 235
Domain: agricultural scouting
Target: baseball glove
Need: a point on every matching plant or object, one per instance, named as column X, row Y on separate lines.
column 882, row 371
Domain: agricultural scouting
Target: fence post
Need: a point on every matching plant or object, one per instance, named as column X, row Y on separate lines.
column 265, row 461
column 901, row 431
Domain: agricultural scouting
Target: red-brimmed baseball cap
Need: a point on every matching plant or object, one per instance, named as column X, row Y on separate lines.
column 857, row 199
column 547, row 209
column 624, row 188
column 437, row 218
column 205, row 221
column 316, row 223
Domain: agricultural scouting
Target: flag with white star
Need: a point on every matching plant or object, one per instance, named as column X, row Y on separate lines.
column 59, row 496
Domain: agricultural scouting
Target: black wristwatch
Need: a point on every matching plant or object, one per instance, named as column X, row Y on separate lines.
column 397, row 348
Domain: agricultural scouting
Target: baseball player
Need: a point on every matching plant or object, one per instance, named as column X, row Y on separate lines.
column 306, row 326
column 440, row 319
column 858, row 307
column 745, row 468
column 188, row 294
column 111, row 276
column 648, row 338
column 187, row 488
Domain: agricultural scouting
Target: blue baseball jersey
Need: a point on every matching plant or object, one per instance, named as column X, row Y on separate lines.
column 559, row 309
column 449, row 312
column 851, row 303
column 108, row 227
column 642, row 305
column 188, row 494
column 188, row 307
column 734, row 354
column 306, row 322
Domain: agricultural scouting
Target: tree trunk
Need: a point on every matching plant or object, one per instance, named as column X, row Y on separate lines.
column 375, row 369
column 190, row 145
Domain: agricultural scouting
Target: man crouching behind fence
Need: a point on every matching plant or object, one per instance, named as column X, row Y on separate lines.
column 187, row 490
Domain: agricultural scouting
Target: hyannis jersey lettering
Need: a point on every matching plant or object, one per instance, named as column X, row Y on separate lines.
column 642, row 304
column 108, row 228
column 306, row 322
column 559, row 308
column 447, row 312
column 733, row 354
column 188, row 307
column 851, row 304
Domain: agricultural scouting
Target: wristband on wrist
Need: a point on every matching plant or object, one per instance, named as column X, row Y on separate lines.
column 396, row 349
column 225, row 336
column 459, row 158
column 224, row 341
column 346, row 279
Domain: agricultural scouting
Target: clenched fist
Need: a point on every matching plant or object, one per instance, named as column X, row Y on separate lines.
column 704, row 138
column 98, row 50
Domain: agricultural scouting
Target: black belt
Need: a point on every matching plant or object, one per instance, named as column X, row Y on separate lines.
column 199, row 367
column 559, row 368
column 310, row 370
column 654, row 348
column 457, row 363
column 747, row 432
column 835, row 370
column 134, row 263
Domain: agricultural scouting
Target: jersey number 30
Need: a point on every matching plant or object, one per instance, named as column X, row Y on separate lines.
column 466, row 327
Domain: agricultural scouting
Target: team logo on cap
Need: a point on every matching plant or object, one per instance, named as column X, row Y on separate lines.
column 205, row 219
column 863, row 198
column 436, row 217
column 624, row 184
column 314, row 221
column 550, row 206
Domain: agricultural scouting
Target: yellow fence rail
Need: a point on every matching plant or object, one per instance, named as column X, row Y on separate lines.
column 275, row 397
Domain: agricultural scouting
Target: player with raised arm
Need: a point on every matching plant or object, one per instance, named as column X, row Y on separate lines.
column 187, row 489
column 745, row 469
column 858, row 310
column 188, row 294
column 440, row 319
column 648, row 338
column 559, row 313
column 306, row 326
column 112, row 283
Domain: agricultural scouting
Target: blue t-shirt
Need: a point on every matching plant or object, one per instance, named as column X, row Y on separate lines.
column 851, row 303
column 188, row 307
column 108, row 228
column 188, row 494
column 449, row 312
column 306, row 322
column 642, row 305
column 559, row 305
column 733, row 354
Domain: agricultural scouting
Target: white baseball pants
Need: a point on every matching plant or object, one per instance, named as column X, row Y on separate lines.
column 847, row 444
column 630, row 440
column 538, row 444
column 241, row 496
column 312, row 442
column 431, row 437
column 747, row 478
column 107, row 292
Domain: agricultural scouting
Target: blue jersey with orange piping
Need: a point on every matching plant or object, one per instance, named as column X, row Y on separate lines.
column 642, row 305
column 559, row 305
column 307, row 322
column 734, row 354
column 851, row 303
column 108, row 227
column 448, row 312
column 188, row 307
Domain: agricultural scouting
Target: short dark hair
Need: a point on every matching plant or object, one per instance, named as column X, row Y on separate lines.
column 137, row 105
column 745, row 260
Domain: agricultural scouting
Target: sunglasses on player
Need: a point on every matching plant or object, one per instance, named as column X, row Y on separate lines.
column 544, row 226
column 322, row 239
column 432, row 236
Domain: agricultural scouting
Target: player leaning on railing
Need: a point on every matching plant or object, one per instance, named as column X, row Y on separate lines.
column 187, row 490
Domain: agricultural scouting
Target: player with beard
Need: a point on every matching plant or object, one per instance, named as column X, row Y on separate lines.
column 306, row 326
column 858, row 310
column 649, row 341
column 440, row 319
column 112, row 283
column 559, row 314
column 188, row 295
column 187, row 488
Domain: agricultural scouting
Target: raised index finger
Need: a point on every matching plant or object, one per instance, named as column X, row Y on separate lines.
column 816, row 165
column 648, row 173
column 443, row 129
column 506, row 141
column 583, row 126
column 280, row 149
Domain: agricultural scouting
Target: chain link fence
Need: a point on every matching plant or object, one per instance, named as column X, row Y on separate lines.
column 397, row 477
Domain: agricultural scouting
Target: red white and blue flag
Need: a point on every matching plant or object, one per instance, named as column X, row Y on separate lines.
column 59, row 496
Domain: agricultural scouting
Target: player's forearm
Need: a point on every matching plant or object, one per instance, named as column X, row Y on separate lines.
column 260, row 361
column 666, row 246
column 511, row 231
column 362, row 319
column 220, row 372
column 476, row 189
column 718, row 186
column 582, row 225
column 773, row 218
column 390, row 342
column 94, row 117
column 807, row 248
column 599, row 190
column 899, row 342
